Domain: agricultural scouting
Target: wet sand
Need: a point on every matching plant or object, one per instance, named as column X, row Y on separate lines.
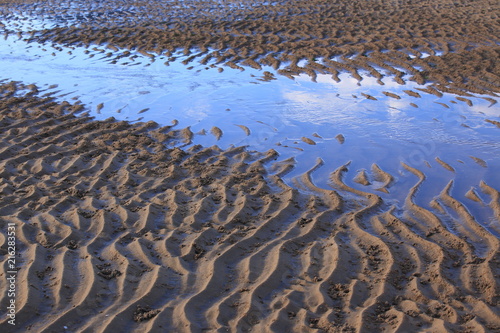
column 118, row 231
column 453, row 45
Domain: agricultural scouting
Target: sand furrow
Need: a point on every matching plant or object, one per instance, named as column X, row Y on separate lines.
column 244, row 245
column 484, row 243
column 77, row 287
column 495, row 198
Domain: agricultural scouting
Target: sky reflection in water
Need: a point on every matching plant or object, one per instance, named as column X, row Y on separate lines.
column 279, row 113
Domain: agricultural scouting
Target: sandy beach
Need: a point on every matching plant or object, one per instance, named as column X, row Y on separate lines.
column 118, row 229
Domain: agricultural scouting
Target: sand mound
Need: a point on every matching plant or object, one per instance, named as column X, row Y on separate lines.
column 116, row 231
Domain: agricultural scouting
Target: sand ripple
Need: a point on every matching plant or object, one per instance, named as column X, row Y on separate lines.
column 118, row 232
column 454, row 45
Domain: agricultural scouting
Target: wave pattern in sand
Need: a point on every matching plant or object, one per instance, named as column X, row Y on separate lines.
column 118, row 232
column 453, row 44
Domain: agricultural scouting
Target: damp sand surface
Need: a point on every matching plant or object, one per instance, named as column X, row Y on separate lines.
column 354, row 205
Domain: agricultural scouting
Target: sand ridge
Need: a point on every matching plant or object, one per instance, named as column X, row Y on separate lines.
column 453, row 45
column 118, row 230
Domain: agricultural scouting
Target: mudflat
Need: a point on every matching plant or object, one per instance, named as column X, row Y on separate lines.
column 117, row 230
